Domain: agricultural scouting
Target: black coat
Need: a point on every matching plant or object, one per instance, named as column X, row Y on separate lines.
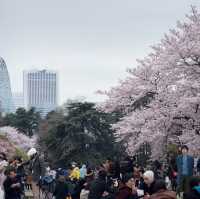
column 12, row 193
column 192, row 195
column 149, row 189
column 61, row 190
column 37, row 167
column 97, row 188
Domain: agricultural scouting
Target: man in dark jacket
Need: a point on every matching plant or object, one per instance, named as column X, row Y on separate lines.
column 98, row 186
column 61, row 190
column 12, row 186
column 36, row 167
column 185, row 166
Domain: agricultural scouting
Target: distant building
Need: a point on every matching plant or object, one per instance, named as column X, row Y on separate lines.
column 40, row 89
column 6, row 102
column 18, row 100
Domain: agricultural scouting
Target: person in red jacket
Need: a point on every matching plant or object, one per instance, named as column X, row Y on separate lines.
column 128, row 189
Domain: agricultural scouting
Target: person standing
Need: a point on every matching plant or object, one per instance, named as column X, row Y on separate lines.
column 61, row 189
column 185, row 166
column 12, row 186
column 149, row 183
column 98, row 187
column 75, row 174
column 83, row 171
column 3, row 165
column 127, row 189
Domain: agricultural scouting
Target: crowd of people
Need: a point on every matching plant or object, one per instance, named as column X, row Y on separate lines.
column 110, row 180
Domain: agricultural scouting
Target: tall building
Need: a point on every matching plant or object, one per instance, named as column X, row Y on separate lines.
column 40, row 88
column 18, row 100
column 6, row 103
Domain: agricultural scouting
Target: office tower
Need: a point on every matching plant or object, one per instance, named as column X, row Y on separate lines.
column 6, row 103
column 40, row 90
column 18, row 100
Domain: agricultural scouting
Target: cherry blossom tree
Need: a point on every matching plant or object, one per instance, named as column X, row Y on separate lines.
column 160, row 97
column 11, row 139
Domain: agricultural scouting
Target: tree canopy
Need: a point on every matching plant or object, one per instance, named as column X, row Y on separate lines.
column 83, row 135
column 26, row 122
column 160, row 98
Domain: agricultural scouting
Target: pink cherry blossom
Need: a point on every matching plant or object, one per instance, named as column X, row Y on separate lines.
column 171, row 73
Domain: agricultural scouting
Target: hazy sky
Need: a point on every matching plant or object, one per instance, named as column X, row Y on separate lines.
column 89, row 42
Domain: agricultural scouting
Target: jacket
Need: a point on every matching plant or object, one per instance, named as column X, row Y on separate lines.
column 75, row 175
column 61, row 190
column 37, row 167
column 125, row 193
column 149, row 189
column 190, row 163
column 12, row 193
column 97, row 188
column 164, row 194
column 83, row 171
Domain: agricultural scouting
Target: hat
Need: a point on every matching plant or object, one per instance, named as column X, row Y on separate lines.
column 31, row 152
column 74, row 164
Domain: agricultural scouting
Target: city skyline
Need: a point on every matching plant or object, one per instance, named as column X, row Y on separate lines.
column 90, row 43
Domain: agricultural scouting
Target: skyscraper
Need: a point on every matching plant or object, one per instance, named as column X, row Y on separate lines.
column 18, row 100
column 6, row 103
column 40, row 88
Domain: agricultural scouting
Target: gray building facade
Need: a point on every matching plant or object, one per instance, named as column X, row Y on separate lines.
column 40, row 90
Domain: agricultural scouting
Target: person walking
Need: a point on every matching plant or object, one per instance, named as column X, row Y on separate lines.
column 185, row 166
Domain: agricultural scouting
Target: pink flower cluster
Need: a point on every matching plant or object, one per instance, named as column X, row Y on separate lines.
column 172, row 73
column 15, row 138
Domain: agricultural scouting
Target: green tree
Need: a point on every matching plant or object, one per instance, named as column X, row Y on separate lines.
column 26, row 122
column 83, row 135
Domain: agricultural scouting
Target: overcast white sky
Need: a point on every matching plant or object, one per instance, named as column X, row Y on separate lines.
column 89, row 42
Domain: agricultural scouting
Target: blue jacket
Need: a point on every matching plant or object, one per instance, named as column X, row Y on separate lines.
column 190, row 163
